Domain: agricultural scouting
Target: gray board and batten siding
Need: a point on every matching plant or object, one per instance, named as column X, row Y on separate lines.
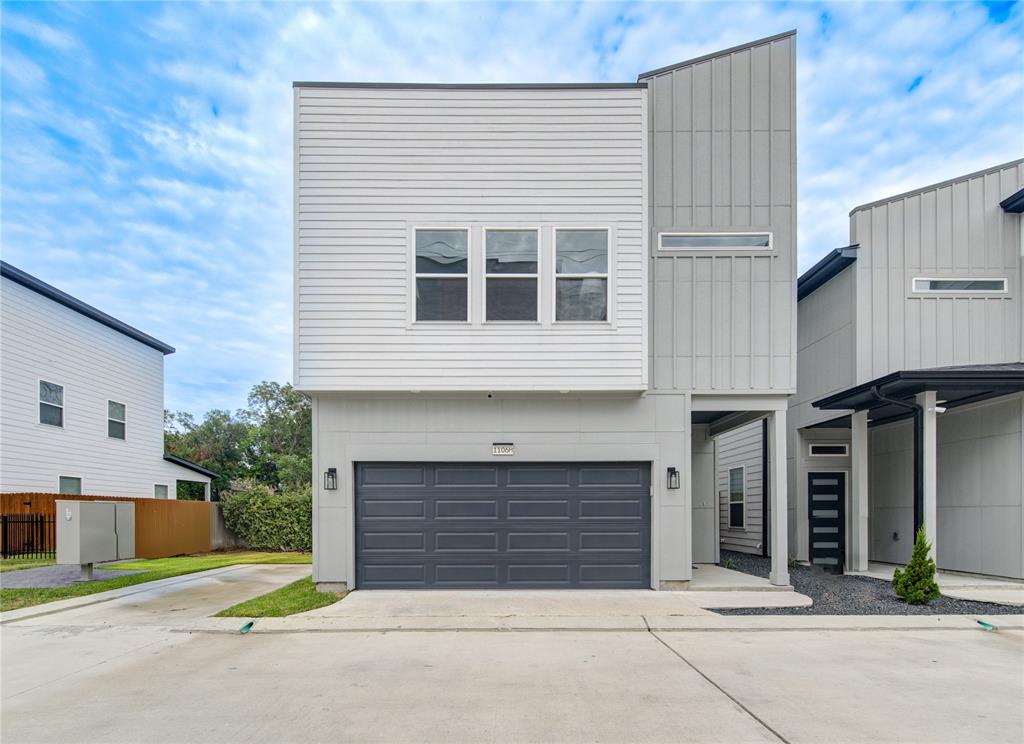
column 723, row 159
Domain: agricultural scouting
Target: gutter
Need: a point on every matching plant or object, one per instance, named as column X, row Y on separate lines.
column 918, row 412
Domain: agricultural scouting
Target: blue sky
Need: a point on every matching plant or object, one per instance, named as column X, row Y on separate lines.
column 146, row 148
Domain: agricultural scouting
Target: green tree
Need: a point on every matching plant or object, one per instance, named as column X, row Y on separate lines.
column 280, row 435
column 270, row 442
column 916, row 583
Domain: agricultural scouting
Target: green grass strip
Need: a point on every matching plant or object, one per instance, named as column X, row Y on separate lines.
column 299, row 596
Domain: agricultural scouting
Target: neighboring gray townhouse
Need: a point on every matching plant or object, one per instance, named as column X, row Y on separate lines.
column 523, row 311
column 909, row 408
column 81, row 399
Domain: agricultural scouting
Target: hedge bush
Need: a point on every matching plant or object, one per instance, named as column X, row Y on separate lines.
column 267, row 520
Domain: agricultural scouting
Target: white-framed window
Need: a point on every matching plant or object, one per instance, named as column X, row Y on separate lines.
column 828, row 449
column 69, row 485
column 116, row 419
column 959, row 285
column 737, row 498
column 51, row 403
column 695, row 241
column 160, row 490
column 581, row 274
column 442, row 274
column 511, row 274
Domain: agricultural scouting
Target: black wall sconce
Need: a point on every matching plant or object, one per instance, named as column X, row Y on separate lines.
column 331, row 479
column 673, row 478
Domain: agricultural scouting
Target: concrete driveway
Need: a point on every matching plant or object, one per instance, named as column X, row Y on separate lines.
column 124, row 671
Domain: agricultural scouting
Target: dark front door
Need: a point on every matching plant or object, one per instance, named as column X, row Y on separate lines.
column 484, row 525
column 826, row 510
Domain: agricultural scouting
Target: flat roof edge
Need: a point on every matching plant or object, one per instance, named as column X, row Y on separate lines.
column 469, row 86
column 38, row 286
column 939, row 185
column 721, row 53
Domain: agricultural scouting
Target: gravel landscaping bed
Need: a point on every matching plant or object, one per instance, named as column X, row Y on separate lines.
column 850, row 595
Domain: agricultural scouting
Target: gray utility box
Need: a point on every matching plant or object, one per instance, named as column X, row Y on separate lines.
column 95, row 531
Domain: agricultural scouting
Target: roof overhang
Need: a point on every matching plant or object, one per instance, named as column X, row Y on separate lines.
column 825, row 270
column 63, row 298
column 188, row 464
column 1013, row 203
column 954, row 386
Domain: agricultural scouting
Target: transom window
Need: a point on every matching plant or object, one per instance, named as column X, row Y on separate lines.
column 511, row 275
column 115, row 419
column 959, row 285
column 51, row 403
column 829, row 450
column 737, row 498
column 714, row 241
column 581, row 275
column 69, row 485
column 442, row 275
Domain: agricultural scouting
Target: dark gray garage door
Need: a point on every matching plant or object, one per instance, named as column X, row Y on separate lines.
column 478, row 525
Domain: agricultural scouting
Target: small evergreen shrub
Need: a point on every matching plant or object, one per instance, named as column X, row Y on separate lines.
column 916, row 583
column 264, row 519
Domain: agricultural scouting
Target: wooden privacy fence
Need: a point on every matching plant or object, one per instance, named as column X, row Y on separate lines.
column 162, row 528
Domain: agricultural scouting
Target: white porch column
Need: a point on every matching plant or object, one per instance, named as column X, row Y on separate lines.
column 778, row 465
column 859, row 510
column 929, row 449
column 206, row 491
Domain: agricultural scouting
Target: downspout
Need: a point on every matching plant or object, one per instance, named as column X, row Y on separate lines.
column 918, row 412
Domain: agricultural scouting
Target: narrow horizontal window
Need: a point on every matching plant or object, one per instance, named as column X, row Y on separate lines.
column 826, row 450
column 960, row 285
column 511, row 275
column 581, row 275
column 69, row 486
column 737, row 498
column 51, row 403
column 442, row 275
column 715, row 241
column 160, row 491
column 116, row 420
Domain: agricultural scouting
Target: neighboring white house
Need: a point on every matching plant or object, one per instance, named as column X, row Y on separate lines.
column 921, row 316
column 81, row 399
column 522, row 312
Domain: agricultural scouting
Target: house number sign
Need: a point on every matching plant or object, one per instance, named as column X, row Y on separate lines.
column 503, row 449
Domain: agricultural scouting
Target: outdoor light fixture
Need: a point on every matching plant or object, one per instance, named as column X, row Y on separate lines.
column 331, row 479
column 673, row 478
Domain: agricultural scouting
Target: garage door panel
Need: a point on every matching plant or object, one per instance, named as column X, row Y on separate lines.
column 386, row 542
column 461, row 541
column 534, row 541
column 629, row 542
column 388, row 476
column 527, row 477
column 466, row 509
column 538, row 509
column 394, row 509
column 466, row 477
column 515, row 525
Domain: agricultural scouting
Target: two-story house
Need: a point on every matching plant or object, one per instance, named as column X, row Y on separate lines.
column 522, row 311
column 81, row 399
column 909, row 409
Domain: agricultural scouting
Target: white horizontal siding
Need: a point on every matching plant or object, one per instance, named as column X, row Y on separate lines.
column 741, row 447
column 40, row 339
column 372, row 164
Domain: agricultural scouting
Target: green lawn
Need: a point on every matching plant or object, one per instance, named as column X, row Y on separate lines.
column 152, row 570
column 299, row 596
column 15, row 564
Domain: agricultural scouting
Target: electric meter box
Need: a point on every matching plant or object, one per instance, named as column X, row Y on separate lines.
column 95, row 531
